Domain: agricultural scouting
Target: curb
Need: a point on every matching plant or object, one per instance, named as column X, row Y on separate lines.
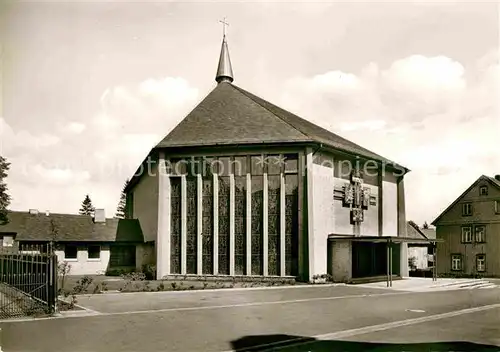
column 235, row 289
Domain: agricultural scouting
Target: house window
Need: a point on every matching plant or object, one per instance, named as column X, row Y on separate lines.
column 8, row 241
column 456, row 262
column 480, row 262
column 70, row 252
column 497, row 207
column 480, row 234
column 467, row 209
column 466, row 234
column 483, row 190
column 94, row 252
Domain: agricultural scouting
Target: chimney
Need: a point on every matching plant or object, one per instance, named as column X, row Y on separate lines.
column 33, row 211
column 497, row 177
column 99, row 216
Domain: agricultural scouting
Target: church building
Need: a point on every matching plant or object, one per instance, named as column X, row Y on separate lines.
column 242, row 187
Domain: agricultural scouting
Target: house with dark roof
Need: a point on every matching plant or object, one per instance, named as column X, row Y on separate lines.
column 420, row 250
column 470, row 230
column 90, row 245
column 242, row 187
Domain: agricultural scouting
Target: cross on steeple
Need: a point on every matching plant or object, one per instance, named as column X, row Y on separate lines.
column 224, row 24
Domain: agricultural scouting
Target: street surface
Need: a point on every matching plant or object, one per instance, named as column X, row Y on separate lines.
column 320, row 318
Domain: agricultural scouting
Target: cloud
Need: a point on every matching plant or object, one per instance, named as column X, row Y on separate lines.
column 59, row 176
column 95, row 155
column 363, row 125
column 75, row 127
column 15, row 142
column 427, row 113
column 431, row 114
column 134, row 118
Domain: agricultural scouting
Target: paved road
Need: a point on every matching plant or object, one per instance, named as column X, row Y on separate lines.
column 333, row 318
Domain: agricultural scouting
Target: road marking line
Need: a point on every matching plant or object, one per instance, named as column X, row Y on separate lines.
column 415, row 310
column 276, row 346
column 251, row 304
column 397, row 324
column 180, row 309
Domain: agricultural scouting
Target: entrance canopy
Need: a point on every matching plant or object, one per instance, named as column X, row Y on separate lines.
column 390, row 240
column 377, row 239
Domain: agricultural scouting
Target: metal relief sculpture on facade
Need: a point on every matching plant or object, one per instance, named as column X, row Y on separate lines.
column 356, row 197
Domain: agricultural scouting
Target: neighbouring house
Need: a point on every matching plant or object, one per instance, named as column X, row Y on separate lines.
column 420, row 253
column 470, row 230
column 243, row 187
column 91, row 245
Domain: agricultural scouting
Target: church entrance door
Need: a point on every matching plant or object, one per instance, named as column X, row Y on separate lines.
column 370, row 259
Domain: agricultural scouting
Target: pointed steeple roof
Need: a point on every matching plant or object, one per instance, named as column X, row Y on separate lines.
column 224, row 70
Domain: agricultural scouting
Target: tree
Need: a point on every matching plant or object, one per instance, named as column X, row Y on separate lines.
column 4, row 196
column 425, row 225
column 87, row 207
column 122, row 204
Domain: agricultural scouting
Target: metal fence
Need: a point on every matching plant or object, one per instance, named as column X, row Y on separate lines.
column 28, row 281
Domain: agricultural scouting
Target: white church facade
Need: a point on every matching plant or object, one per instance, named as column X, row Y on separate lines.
column 241, row 187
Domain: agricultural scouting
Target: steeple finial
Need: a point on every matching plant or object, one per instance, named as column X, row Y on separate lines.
column 224, row 70
column 224, row 24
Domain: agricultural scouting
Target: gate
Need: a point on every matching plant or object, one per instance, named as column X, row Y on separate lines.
column 28, row 281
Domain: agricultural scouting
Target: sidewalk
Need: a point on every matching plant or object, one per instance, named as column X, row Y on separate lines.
column 418, row 284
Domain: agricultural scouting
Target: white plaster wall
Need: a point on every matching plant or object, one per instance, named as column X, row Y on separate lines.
column 146, row 203
column 162, row 244
column 324, row 217
column 85, row 266
column 390, row 208
column 420, row 254
column 341, row 261
column 369, row 226
column 342, row 215
column 404, row 269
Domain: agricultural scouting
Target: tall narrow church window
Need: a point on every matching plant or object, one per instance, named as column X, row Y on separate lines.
column 291, row 216
column 191, row 220
column 208, row 215
column 223, row 172
column 239, row 166
column 177, row 167
column 273, row 214
column 175, row 225
column 257, row 168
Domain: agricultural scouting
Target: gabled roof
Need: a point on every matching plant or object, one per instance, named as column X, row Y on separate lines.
column 414, row 231
column 70, row 228
column 491, row 180
column 230, row 115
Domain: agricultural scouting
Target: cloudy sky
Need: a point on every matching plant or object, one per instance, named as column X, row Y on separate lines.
column 90, row 87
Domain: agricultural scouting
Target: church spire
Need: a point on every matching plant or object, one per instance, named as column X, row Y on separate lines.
column 225, row 70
